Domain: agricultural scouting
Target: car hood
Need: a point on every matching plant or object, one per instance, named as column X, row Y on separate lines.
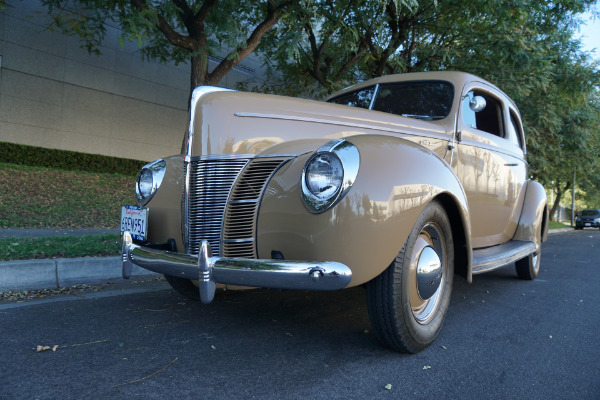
column 229, row 123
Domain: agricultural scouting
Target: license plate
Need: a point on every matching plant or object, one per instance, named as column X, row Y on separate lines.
column 588, row 224
column 135, row 220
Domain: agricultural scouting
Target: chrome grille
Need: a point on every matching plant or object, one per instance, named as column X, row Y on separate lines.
column 239, row 226
column 210, row 184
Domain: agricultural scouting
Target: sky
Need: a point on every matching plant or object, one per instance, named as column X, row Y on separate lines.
column 590, row 34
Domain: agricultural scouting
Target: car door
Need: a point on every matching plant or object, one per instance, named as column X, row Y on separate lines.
column 490, row 164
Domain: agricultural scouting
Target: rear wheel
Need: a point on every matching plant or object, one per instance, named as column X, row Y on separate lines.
column 407, row 303
column 529, row 267
column 185, row 287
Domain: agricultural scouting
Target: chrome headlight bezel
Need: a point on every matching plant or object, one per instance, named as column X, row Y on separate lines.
column 149, row 180
column 347, row 155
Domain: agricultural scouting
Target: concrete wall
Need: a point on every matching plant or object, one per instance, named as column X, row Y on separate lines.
column 54, row 94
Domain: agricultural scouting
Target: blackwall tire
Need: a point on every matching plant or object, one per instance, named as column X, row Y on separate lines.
column 184, row 286
column 528, row 268
column 406, row 304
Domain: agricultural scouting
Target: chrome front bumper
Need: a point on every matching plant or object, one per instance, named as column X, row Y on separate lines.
column 209, row 270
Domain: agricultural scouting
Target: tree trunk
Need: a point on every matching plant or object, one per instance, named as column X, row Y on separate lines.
column 559, row 192
column 555, row 206
column 198, row 73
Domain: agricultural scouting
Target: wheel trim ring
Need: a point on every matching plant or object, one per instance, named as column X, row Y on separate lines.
column 425, row 310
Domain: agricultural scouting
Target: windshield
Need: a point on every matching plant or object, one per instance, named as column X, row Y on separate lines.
column 359, row 98
column 430, row 100
column 589, row 213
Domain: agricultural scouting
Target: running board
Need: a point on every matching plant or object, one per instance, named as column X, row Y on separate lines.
column 490, row 258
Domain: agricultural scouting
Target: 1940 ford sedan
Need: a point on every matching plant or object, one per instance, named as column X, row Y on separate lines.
column 397, row 183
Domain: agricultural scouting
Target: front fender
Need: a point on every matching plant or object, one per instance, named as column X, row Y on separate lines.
column 164, row 217
column 369, row 226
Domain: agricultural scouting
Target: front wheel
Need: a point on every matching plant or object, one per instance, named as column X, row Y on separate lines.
column 407, row 303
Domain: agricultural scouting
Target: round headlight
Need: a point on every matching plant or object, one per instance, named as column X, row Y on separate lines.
column 149, row 180
column 145, row 183
column 324, row 175
column 328, row 175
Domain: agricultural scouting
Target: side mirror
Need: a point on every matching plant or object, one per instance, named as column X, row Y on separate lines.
column 477, row 103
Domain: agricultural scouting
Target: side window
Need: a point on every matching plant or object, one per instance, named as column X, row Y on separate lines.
column 360, row 98
column 489, row 119
column 513, row 131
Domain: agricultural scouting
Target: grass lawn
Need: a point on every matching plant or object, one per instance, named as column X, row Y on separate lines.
column 58, row 247
column 33, row 197
column 557, row 225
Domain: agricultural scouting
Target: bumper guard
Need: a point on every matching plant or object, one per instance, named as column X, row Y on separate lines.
column 209, row 270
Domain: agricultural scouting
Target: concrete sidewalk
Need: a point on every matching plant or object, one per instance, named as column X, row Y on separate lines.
column 62, row 272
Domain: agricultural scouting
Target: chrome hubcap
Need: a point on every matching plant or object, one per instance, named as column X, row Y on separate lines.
column 427, row 273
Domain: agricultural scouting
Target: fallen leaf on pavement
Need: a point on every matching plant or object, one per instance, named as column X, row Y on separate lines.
column 39, row 348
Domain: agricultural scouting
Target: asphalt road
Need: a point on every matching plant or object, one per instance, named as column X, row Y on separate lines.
column 503, row 339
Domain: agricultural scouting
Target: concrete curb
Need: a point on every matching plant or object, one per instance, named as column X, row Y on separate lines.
column 61, row 272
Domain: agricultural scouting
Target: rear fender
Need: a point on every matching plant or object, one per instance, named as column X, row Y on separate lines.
column 533, row 222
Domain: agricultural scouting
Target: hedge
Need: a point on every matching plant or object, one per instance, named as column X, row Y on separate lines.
column 67, row 160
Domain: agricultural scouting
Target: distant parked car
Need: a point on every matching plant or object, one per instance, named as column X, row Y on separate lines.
column 588, row 219
column 397, row 184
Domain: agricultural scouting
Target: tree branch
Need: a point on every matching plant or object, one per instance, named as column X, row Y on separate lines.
column 185, row 12
column 233, row 59
column 171, row 34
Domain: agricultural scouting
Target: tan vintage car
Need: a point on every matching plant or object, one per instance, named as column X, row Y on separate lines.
column 397, row 184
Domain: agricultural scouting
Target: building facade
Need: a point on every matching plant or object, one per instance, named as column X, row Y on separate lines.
column 55, row 94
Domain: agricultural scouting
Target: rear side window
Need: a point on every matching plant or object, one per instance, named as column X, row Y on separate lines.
column 360, row 98
column 513, row 131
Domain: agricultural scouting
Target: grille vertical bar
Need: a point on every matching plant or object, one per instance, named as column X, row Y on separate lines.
column 210, row 184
